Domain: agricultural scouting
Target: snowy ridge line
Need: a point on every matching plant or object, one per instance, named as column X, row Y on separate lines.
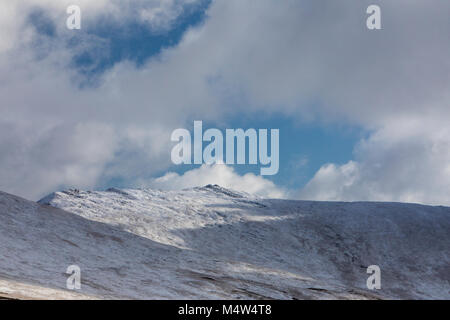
column 214, row 243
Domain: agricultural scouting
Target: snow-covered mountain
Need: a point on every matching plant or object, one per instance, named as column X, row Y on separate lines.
column 213, row 243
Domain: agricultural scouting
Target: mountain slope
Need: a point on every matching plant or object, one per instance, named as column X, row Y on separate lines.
column 211, row 242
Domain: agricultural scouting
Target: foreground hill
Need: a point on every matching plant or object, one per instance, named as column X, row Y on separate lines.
column 213, row 243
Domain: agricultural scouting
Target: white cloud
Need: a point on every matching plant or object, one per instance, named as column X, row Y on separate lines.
column 222, row 175
column 163, row 15
column 409, row 162
column 39, row 159
column 331, row 182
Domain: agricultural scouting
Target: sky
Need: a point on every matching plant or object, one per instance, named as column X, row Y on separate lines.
column 363, row 114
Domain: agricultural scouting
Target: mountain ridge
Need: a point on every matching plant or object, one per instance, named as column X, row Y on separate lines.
column 211, row 242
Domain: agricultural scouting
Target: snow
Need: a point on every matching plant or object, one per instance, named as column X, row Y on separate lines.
column 214, row 243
